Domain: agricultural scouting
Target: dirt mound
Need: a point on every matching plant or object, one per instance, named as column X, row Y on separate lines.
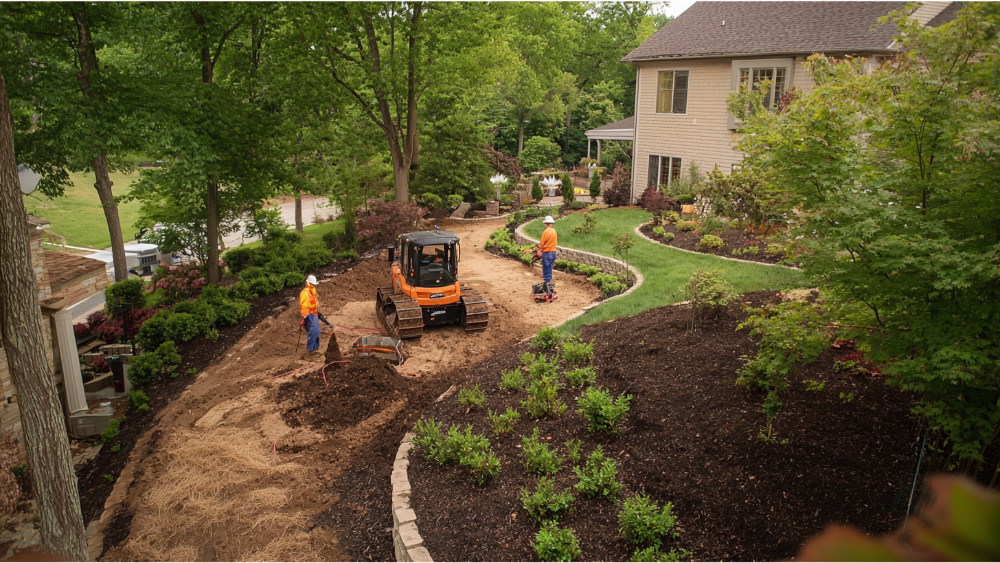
column 356, row 284
column 357, row 391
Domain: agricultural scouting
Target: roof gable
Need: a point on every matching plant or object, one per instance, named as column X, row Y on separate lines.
column 755, row 28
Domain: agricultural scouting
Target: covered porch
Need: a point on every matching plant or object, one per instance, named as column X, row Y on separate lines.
column 623, row 130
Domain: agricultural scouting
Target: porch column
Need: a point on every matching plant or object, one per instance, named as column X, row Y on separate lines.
column 76, row 398
column 588, row 147
column 598, row 150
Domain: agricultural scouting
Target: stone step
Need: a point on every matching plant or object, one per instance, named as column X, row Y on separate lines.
column 461, row 211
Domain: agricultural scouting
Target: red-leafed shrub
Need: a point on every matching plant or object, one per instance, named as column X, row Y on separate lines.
column 114, row 330
column 506, row 165
column 95, row 320
column 620, row 192
column 178, row 282
column 387, row 220
column 100, row 366
column 656, row 202
column 81, row 329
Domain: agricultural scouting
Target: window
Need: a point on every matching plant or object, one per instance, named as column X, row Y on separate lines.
column 435, row 263
column 751, row 74
column 663, row 170
column 672, row 91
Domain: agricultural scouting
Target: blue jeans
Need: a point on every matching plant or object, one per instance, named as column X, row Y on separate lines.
column 312, row 332
column 548, row 259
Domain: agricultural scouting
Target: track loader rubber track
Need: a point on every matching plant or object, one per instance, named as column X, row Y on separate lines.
column 399, row 315
column 477, row 312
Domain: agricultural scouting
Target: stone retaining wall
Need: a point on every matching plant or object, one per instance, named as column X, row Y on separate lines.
column 607, row 265
column 406, row 540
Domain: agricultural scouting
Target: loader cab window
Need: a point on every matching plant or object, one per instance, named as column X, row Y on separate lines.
column 437, row 264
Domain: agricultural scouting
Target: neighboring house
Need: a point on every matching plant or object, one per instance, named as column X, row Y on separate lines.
column 686, row 71
column 68, row 285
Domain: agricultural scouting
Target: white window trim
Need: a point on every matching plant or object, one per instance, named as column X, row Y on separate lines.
column 787, row 64
column 659, row 168
column 656, row 99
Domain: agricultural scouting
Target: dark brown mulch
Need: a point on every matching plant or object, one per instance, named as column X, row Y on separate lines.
column 733, row 237
column 691, row 438
column 197, row 354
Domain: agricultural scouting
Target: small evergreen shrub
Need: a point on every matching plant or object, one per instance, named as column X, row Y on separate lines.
column 669, row 237
column 598, row 478
column 241, row 290
column 503, row 424
column 231, row 311
column 643, row 523
column 580, row 377
column 202, row 312
column 472, row 398
column 112, row 430
column 546, row 339
column 568, row 193
column 609, row 284
column 153, row 332
column 576, row 353
column 146, row 368
column 431, row 440
column 511, row 380
column 555, row 544
column 543, row 367
column 469, row 450
column 537, row 457
column 712, row 224
column 595, row 184
column 252, row 273
column 658, row 231
column 602, row 413
column 671, row 216
column 349, row 254
column 654, row 554
column 454, row 200
column 293, row 279
column 126, row 292
column 536, row 189
column 238, row 259
column 710, row 242
column 137, row 398
column 267, row 284
column 181, row 327
column 687, row 226
column 545, row 503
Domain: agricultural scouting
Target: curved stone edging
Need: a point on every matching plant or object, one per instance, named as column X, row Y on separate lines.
column 654, row 241
column 592, row 259
column 406, row 540
column 480, row 218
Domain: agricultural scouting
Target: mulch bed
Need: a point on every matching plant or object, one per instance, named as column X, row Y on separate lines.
column 733, row 237
column 93, row 486
column 691, row 438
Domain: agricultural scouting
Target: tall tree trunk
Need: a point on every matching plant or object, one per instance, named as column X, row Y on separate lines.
column 520, row 137
column 569, row 121
column 298, row 212
column 212, row 193
column 45, row 437
column 86, row 54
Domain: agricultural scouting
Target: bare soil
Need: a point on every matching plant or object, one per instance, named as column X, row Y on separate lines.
column 293, row 455
column 691, row 438
column 733, row 237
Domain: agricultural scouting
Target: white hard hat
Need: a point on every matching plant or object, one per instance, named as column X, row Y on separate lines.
column 311, row 280
column 548, row 219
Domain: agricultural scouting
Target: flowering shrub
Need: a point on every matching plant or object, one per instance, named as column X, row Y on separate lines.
column 388, row 220
column 100, row 366
column 81, row 329
column 112, row 330
column 95, row 320
column 178, row 282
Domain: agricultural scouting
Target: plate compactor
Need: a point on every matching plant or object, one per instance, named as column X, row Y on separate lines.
column 425, row 288
column 542, row 292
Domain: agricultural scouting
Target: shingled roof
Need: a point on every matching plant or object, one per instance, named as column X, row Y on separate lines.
column 758, row 28
column 946, row 15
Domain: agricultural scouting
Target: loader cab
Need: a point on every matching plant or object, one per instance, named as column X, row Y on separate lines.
column 427, row 259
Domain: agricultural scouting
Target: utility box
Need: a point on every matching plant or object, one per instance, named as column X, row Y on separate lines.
column 89, row 424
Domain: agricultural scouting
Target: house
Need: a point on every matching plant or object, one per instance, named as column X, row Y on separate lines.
column 68, row 286
column 686, row 71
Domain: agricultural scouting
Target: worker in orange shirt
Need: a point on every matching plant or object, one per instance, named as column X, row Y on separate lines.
column 548, row 250
column 309, row 307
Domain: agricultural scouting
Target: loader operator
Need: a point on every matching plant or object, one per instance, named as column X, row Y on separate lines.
column 309, row 306
column 548, row 251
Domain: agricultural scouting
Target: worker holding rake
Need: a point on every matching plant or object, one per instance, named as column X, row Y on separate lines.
column 309, row 306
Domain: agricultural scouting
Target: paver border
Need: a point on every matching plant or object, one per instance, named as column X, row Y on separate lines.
column 406, row 540
column 654, row 241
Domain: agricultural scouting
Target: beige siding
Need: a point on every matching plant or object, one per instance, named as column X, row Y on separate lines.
column 701, row 135
column 928, row 10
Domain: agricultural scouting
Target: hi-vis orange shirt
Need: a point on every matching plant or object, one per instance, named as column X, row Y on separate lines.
column 548, row 240
column 308, row 303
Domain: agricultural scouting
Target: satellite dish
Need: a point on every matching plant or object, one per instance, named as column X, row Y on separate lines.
column 28, row 179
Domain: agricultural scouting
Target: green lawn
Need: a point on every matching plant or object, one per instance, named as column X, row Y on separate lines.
column 78, row 214
column 664, row 269
column 311, row 234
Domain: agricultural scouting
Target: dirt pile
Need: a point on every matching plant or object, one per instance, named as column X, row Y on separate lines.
column 356, row 391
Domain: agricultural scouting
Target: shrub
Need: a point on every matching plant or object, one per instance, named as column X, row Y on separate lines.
column 576, row 353
column 511, row 380
column 588, row 270
column 202, row 313
column 598, row 478
column 543, row 398
column 231, row 311
column 620, row 192
column 266, row 285
column 537, row 457
column 146, row 368
column 213, row 295
column 137, row 398
column 293, row 279
column 430, row 200
column 555, row 544
column 279, row 266
column 239, row 259
column 545, row 503
column 181, row 327
column 543, row 368
column 503, row 424
column 580, row 377
column 546, row 339
column 430, row 438
column 387, row 220
column 533, row 212
column 710, row 242
column 253, row 273
column 472, row 398
column 654, row 554
column 685, row 199
column 595, row 184
column 573, row 449
column 95, row 320
column 712, row 225
column 643, row 523
column 454, row 200
column 671, row 216
column 538, row 153
column 350, row 254
column 602, row 413
column 669, row 237
column 589, row 222
column 687, row 226
column 658, row 231
column 292, row 237
column 469, row 450
column 125, row 292
column 112, row 430
column 312, row 257
column 708, row 292
column 609, row 284
column 153, row 332
column 536, row 190
column 176, row 283
column 334, row 240
column 577, row 205
column 568, row 193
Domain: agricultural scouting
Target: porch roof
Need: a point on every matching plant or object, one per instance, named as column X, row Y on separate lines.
column 623, row 130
